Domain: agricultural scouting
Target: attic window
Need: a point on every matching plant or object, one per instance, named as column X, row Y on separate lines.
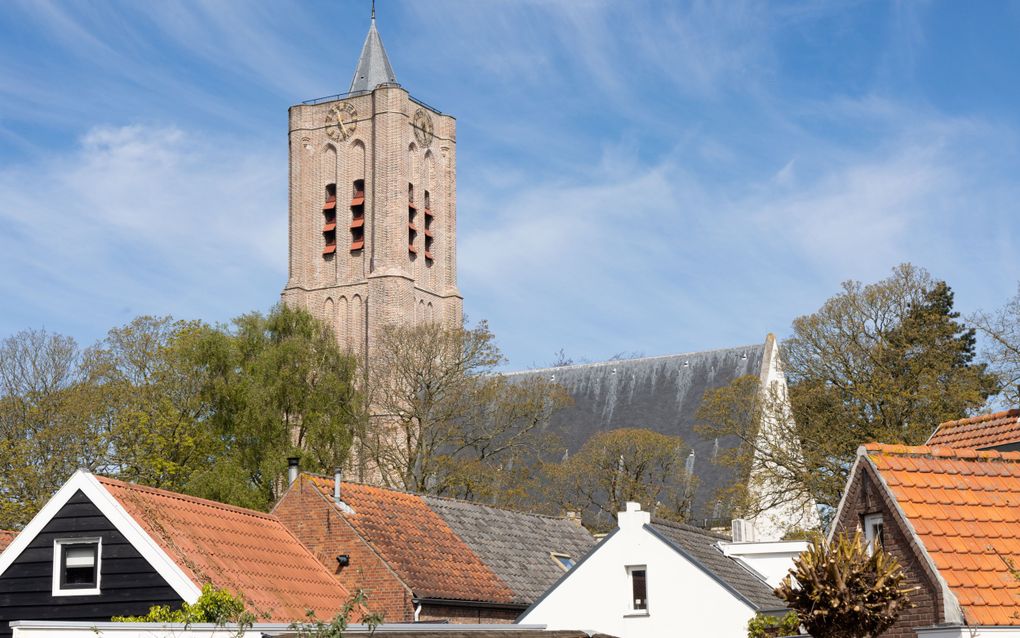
column 563, row 560
column 638, row 576
column 76, row 564
column 874, row 531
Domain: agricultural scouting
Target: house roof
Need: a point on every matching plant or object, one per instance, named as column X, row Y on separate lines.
column 6, row 536
column 979, row 432
column 454, row 550
column 964, row 508
column 517, row 546
column 241, row 550
column 658, row 393
column 702, row 548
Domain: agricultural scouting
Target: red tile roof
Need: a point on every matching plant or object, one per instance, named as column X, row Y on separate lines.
column 418, row 544
column 979, row 432
column 241, row 550
column 6, row 536
column 965, row 508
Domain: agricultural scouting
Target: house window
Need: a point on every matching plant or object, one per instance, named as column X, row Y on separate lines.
column 638, row 576
column 874, row 531
column 563, row 560
column 76, row 566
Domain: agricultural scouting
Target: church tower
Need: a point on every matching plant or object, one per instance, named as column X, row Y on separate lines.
column 373, row 207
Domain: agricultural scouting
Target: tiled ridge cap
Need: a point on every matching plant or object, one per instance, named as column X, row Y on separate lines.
column 938, row 452
column 577, row 366
column 329, row 479
column 688, row 528
column 1004, row 414
column 186, row 498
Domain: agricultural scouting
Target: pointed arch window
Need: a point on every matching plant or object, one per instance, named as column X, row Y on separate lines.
column 358, row 216
column 412, row 215
column 329, row 222
column 428, row 229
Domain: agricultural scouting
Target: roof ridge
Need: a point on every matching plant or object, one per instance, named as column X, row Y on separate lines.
column 576, row 366
column 980, row 417
column 689, row 528
column 186, row 497
column 436, row 496
column 937, row 452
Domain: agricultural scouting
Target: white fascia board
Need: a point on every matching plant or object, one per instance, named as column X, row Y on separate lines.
column 88, row 629
column 118, row 516
column 969, row 631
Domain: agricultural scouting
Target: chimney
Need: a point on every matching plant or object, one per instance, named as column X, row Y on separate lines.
column 292, row 469
column 574, row 517
column 633, row 517
column 337, row 477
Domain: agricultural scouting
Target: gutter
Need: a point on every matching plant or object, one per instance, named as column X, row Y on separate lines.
column 474, row 604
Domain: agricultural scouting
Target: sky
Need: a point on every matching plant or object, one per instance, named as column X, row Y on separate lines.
column 634, row 178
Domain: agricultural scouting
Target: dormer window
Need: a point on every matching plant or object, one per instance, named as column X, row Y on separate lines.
column 76, row 566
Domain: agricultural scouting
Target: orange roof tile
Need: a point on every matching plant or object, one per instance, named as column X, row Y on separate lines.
column 978, row 432
column 970, row 545
column 418, row 544
column 6, row 536
column 241, row 550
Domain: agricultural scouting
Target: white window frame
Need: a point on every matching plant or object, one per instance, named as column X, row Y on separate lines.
column 58, row 553
column 870, row 522
column 557, row 558
column 631, row 611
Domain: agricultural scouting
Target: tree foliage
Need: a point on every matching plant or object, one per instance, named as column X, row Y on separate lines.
column 449, row 423
column 211, row 411
column 627, row 464
column 214, row 605
column 881, row 362
column 763, row 626
column 845, row 589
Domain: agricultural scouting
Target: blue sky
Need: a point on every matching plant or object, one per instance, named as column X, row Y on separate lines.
column 633, row 177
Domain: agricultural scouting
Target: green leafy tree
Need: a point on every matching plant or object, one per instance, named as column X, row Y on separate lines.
column 627, row 464
column 881, row 362
column 279, row 386
column 763, row 626
column 845, row 589
column 214, row 605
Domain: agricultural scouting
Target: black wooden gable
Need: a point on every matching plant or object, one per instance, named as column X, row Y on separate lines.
column 128, row 584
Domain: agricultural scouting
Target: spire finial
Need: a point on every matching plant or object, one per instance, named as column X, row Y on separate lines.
column 373, row 9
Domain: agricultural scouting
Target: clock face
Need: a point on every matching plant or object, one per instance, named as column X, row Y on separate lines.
column 341, row 120
column 422, row 124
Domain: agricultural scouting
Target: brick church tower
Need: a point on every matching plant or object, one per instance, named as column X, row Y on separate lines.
column 373, row 207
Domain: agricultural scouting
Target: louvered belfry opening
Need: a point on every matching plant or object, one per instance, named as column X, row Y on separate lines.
column 428, row 230
column 329, row 222
column 412, row 214
column 358, row 216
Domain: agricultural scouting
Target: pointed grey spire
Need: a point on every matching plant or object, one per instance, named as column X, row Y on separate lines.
column 373, row 65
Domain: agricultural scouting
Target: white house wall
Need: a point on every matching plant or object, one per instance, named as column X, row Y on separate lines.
column 682, row 599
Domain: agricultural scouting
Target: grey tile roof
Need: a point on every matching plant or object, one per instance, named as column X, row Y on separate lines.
column 701, row 546
column 659, row 393
column 515, row 545
column 373, row 65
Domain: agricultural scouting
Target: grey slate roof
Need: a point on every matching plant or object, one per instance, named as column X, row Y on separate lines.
column 516, row 546
column 701, row 546
column 658, row 393
column 373, row 65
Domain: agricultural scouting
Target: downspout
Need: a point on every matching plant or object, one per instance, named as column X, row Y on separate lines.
column 417, row 612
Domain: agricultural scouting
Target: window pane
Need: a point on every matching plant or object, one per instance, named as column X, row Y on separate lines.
column 78, row 566
column 637, row 578
column 80, row 556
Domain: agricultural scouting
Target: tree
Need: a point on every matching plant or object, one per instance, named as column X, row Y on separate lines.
column 627, row 464
column 845, row 589
column 1001, row 329
column 882, row 362
column 448, row 423
column 214, row 605
column 279, row 386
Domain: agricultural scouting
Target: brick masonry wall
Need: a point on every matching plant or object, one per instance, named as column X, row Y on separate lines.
column 467, row 615
column 324, row 531
column 866, row 496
